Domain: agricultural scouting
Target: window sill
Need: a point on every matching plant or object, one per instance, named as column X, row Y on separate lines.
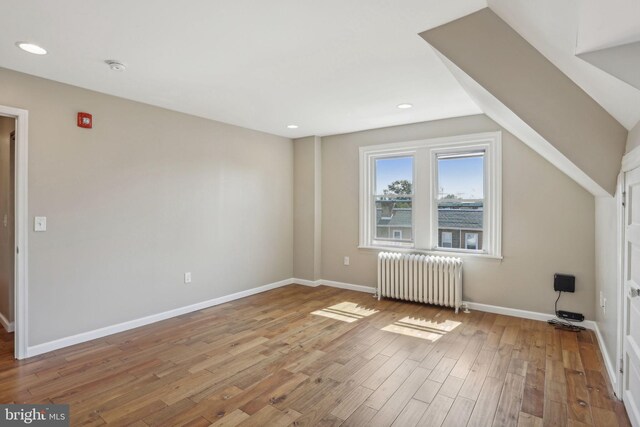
column 431, row 252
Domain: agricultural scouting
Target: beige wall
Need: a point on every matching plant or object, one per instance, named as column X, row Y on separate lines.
column 139, row 200
column 633, row 139
column 7, row 125
column 507, row 66
column 548, row 222
column 307, row 202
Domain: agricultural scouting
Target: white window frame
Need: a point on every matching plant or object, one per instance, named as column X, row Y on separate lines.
column 425, row 209
column 394, row 234
column 466, row 241
column 450, row 234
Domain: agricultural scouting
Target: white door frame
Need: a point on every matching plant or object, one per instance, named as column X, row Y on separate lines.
column 620, row 214
column 21, row 276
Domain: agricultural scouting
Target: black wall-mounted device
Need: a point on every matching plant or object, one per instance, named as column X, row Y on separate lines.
column 564, row 283
column 570, row 315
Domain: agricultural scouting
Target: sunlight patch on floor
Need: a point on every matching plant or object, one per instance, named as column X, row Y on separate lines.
column 420, row 328
column 345, row 312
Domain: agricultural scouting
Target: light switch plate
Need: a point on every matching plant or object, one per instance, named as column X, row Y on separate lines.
column 40, row 223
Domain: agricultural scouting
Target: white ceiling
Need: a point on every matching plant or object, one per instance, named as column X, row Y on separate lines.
column 562, row 29
column 329, row 66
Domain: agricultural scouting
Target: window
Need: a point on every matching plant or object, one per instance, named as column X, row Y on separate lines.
column 440, row 194
column 460, row 196
column 471, row 241
column 447, row 239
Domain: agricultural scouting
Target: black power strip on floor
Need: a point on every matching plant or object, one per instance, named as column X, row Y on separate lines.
column 569, row 315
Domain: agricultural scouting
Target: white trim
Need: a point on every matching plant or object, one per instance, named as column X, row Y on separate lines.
column 21, row 270
column 620, row 282
column 424, row 152
column 631, row 160
column 611, row 370
column 524, row 314
column 334, row 284
column 136, row 323
column 506, row 118
column 349, row 286
column 8, row 326
column 306, row 282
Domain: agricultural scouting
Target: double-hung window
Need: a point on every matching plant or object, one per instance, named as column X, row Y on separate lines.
column 439, row 195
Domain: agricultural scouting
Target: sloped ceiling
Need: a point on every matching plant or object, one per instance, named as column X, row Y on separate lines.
column 526, row 93
column 561, row 30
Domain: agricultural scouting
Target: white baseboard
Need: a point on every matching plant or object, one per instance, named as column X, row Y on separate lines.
column 334, row 284
column 305, row 282
column 348, row 286
column 131, row 324
column 610, row 364
column 8, row 326
column 525, row 314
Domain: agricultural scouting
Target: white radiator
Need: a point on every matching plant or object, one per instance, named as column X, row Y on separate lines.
column 420, row 278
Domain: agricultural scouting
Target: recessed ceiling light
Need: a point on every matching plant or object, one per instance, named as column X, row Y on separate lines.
column 115, row 65
column 404, row 106
column 292, row 126
column 31, row 48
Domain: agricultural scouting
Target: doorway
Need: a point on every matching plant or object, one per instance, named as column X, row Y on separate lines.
column 7, row 225
column 14, row 225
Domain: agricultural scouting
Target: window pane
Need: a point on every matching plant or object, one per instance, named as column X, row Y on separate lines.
column 394, row 175
column 471, row 241
column 394, row 218
column 393, row 200
column 461, row 200
column 447, row 239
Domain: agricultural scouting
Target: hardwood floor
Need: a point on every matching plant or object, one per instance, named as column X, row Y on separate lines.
column 322, row 356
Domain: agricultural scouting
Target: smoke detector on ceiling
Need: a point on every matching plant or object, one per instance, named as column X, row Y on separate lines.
column 115, row 65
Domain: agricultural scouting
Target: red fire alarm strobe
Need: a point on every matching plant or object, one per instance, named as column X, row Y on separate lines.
column 85, row 120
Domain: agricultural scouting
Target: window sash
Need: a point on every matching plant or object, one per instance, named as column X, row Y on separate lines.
column 458, row 153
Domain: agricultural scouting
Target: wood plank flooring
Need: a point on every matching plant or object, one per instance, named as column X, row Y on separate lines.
column 322, row 356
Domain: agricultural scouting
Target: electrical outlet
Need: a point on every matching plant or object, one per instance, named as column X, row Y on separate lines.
column 187, row 277
column 346, row 260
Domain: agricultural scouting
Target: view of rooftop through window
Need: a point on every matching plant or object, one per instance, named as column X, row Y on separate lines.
column 461, row 201
column 394, row 199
